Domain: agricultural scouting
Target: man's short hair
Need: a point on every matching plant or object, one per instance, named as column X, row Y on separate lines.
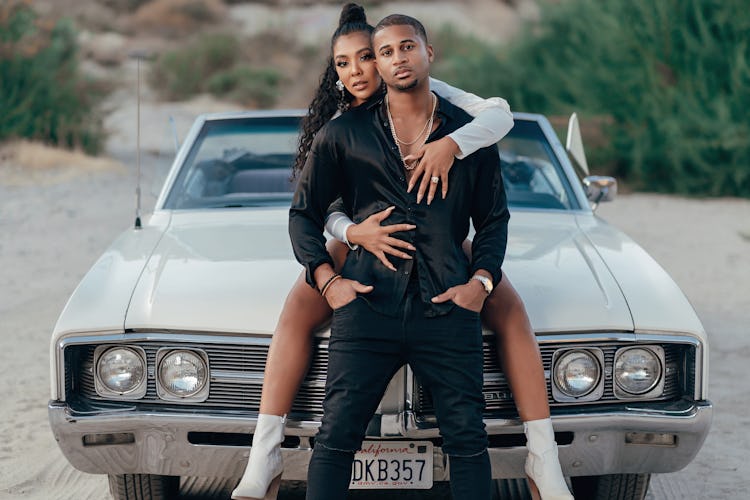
column 401, row 20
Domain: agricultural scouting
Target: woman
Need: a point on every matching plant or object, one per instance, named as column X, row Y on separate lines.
column 350, row 80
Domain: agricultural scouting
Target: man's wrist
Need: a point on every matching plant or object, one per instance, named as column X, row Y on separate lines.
column 483, row 280
column 322, row 274
column 324, row 289
column 476, row 285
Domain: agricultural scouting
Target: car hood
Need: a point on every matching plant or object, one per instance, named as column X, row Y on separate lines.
column 230, row 271
column 220, row 271
column 564, row 284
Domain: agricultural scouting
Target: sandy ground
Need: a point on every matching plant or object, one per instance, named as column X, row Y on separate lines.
column 54, row 228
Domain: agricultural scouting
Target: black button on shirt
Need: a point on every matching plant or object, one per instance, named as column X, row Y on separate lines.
column 353, row 158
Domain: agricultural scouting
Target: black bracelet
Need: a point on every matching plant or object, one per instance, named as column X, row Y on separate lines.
column 322, row 289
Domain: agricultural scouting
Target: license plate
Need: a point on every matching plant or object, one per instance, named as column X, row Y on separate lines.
column 393, row 465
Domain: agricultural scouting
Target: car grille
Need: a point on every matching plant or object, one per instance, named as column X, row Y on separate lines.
column 249, row 359
column 223, row 394
column 499, row 399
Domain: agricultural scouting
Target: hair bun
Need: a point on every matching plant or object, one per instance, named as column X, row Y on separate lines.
column 352, row 13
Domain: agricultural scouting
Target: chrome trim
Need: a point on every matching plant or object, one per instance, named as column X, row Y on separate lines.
column 645, row 336
column 101, row 387
column 184, row 337
column 701, row 354
column 600, row 188
column 656, row 389
column 163, row 392
column 59, row 352
column 598, row 442
column 578, row 337
column 562, row 156
column 76, row 338
column 237, row 378
column 595, row 393
column 118, row 338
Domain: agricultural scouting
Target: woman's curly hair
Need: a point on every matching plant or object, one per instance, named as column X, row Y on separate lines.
column 325, row 103
column 328, row 99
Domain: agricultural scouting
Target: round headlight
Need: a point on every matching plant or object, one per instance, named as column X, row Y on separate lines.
column 121, row 370
column 637, row 370
column 182, row 373
column 577, row 373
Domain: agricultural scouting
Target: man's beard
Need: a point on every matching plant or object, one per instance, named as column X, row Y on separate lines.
column 407, row 86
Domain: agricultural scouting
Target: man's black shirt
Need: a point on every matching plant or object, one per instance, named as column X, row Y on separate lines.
column 354, row 157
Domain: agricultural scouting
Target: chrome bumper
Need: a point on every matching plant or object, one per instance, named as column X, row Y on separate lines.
column 160, row 443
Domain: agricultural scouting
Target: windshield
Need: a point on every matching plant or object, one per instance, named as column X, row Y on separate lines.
column 532, row 173
column 236, row 163
column 242, row 162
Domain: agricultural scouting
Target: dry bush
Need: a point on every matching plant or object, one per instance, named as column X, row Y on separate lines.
column 176, row 18
column 36, row 155
column 27, row 163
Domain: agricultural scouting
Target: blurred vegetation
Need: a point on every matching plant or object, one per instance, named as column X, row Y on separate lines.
column 42, row 94
column 668, row 80
column 177, row 19
column 214, row 63
column 247, row 85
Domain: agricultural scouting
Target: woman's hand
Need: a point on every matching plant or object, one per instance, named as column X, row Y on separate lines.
column 435, row 160
column 377, row 239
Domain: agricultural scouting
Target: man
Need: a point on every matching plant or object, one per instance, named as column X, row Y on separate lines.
column 426, row 313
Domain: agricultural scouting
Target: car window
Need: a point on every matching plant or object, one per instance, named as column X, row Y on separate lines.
column 238, row 162
column 243, row 162
column 532, row 173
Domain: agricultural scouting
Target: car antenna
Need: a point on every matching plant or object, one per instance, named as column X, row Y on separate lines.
column 174, row 134
column 138, row 56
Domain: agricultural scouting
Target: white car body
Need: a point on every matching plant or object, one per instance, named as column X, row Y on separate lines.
column 213, row 277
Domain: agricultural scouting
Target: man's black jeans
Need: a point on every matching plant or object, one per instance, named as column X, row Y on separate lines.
column 365, row 350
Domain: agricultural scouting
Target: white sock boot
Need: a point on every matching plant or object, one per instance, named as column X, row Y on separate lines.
column 542, row 465
column 262, row 475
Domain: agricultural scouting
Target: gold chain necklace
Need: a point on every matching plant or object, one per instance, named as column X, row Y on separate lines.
column 427, row 127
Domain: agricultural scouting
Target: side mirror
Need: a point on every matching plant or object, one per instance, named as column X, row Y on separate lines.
column 600, row 188
column 574, row 144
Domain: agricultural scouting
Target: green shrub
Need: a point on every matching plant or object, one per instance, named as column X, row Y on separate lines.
column 249, row 86
column 42, row 95
column 672, row 75
column 214, row 64
column 184, row 72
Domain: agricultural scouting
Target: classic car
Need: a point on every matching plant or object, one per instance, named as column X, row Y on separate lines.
column 157, row 359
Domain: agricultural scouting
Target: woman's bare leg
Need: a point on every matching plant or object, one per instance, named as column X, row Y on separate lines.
column 291, row 346
column 518, row 350
column 286, row 365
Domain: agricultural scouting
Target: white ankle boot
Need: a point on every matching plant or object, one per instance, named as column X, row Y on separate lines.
column 542, row 465
column 262, row 476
